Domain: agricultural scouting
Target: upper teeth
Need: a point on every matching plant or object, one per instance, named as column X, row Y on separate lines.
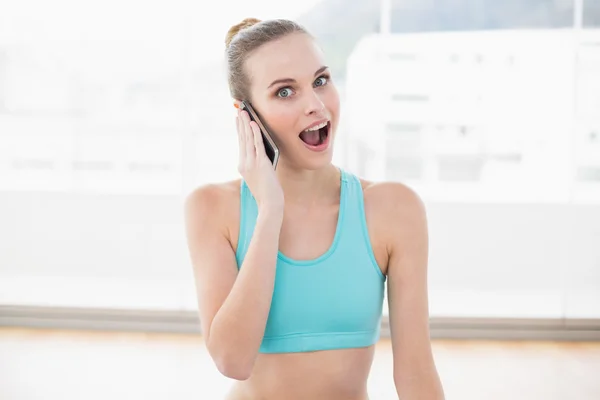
column 317, row 127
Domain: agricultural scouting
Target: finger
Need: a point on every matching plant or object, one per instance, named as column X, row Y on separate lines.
column 258, row 142
column 248, row 137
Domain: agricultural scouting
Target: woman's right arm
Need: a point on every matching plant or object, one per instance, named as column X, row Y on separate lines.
column 234, row 306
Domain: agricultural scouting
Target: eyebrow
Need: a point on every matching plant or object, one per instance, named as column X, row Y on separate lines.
column 290, row 80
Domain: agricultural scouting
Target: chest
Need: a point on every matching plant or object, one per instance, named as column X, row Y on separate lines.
column 307, row 233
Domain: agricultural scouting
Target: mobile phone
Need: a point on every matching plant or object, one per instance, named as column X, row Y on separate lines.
column 270, row 146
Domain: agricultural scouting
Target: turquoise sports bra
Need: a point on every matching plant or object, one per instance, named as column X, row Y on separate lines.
column 331, row 302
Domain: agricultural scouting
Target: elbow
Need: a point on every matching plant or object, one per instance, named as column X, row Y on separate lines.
column 232, row 362
column 233, row 369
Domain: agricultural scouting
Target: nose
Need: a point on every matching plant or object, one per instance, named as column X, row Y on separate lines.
column 314, row 104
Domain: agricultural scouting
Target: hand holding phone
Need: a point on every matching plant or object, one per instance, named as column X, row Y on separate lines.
column 256, row 168
column 270, row 146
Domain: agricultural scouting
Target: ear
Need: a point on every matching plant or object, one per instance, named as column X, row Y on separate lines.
column 237, row 103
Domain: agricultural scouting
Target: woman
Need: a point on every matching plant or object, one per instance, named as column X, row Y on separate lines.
column 290, row 262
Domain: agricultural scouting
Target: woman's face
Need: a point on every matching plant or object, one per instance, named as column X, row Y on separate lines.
column 292, row 91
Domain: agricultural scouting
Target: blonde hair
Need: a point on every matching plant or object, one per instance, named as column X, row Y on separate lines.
column 245, row 37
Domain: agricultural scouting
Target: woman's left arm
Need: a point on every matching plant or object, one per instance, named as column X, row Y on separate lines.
column 415, row 373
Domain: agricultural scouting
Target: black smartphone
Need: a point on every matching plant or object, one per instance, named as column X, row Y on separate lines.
column 270, row 147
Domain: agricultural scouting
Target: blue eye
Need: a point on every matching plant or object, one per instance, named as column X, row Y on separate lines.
column 322, row 79
column 284, row 90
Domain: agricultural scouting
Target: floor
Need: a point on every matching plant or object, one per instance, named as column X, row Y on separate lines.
column 68, row 365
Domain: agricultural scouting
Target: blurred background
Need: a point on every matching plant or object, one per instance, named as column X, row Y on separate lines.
column 111, row 112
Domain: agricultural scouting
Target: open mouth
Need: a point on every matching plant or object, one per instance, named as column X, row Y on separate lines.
column 317, row 135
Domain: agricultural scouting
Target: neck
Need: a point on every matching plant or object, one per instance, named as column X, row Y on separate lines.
column 310, row 187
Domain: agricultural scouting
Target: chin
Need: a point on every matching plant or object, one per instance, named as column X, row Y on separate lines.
column 305, row 159
column 313, row 161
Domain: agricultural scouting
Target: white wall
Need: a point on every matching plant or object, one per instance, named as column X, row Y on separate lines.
column 492, row 260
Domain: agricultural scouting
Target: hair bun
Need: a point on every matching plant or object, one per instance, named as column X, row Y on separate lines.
column 246, row 23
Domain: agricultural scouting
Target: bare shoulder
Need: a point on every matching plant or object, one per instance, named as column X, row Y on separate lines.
column 213, row 196
column 215, row 205
column 391, row 199
column 213, row 193
column 395, row 214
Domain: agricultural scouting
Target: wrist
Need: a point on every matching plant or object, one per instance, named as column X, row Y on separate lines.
column 270, row 213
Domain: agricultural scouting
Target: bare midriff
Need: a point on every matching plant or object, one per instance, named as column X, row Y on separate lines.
column 328, row 375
